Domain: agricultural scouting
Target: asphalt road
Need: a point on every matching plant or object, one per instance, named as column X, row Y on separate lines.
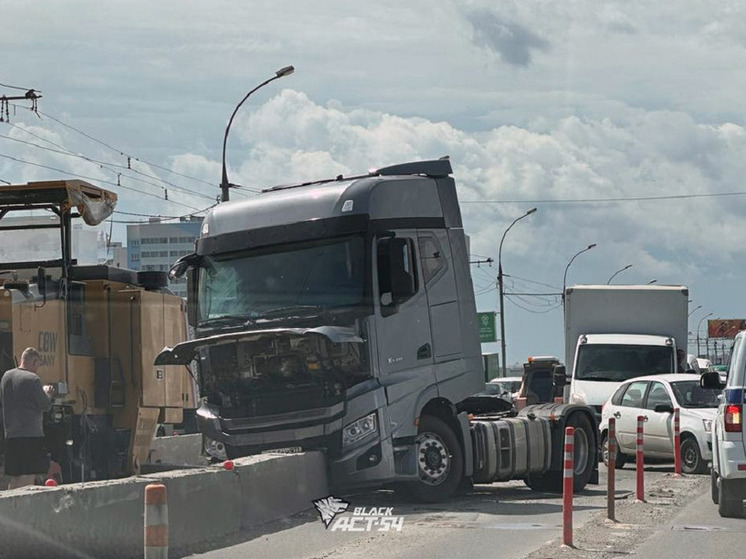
column 507, row 520
column 697, row 531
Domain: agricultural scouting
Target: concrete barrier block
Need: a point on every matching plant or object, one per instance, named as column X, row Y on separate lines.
column 94, row 519
column 202, row 504
column 105, row 519
column 288, row 485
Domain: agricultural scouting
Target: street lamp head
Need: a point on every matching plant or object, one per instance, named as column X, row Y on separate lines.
column 532, row 210
column 286, row 71
column 652, row 281
column 591, row 246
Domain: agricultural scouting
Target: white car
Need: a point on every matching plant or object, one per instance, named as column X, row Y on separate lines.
column 503, row 387
column 728, row 435
column 655, row 397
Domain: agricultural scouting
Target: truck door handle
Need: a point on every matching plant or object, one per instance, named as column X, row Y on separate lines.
column 617, row 415
column 424, row 352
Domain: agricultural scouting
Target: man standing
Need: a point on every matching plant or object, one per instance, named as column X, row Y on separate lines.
column 24, row 401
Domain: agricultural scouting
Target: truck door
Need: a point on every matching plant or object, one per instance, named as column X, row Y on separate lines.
column 440, row 286
column 402, row 316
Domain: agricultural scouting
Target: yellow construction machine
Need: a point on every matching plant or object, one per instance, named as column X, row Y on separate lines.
column 98, row 329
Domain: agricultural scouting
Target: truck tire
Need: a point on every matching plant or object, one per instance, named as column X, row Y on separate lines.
column 691, row 458
column 730, row 500
column 585, row 457
column 621, row 459
column 714, row 486
column 440, row 461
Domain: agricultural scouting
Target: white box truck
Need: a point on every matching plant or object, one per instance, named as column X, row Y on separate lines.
column 614, row 333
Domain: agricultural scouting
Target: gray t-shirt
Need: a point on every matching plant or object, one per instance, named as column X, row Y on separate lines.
column 23, row 403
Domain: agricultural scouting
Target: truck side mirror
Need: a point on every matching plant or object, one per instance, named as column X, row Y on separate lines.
column 559, row 376
column 401, row 268
column 191, row 275
column 41, row 281
column 710, row 380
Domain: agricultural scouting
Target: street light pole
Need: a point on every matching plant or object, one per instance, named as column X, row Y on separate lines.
column 627, row 267
column 224, row 184
column 699, row 351
column 501, row 288
column 695, row 310
column 564, row 278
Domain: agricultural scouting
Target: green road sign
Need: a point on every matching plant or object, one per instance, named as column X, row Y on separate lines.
column 487, row 331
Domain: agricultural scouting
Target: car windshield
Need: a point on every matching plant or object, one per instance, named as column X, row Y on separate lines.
column 610, row 362
column 689, row 394
column 302, row 277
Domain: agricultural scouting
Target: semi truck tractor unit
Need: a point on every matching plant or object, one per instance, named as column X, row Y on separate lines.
column 98, row 330
column 614, row 333
column 340, row 315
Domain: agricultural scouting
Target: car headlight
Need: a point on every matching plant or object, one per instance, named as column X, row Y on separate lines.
column 215, row 449
column 708, row 424
column 360, row 429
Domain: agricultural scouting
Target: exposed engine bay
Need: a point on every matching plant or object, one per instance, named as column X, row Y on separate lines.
column 280, row 373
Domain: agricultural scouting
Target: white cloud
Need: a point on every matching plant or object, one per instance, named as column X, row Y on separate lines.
column 545, row 101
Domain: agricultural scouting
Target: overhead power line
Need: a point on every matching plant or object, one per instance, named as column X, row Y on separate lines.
column 105, row 165
column 5, row 85
column 601, row 200
column 99, row 180
column 131, row 157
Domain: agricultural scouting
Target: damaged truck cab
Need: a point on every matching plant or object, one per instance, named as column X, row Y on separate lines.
column 340, row 315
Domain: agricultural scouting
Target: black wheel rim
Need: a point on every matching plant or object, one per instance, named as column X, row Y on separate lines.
column 688, row 455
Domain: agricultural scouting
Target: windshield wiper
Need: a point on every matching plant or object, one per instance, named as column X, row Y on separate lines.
column 596, row 377
column 239, row 318
column 289, row 311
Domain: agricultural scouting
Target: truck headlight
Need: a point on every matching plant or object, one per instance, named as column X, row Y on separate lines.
column 215, row 449
column 708, row 424
column 360, row 429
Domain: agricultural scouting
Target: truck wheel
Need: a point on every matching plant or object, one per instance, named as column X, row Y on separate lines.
column 691, row 457
column 730, row 505
column 621, row 459
column 714, row 486
column 584, row 459
column 440, row 461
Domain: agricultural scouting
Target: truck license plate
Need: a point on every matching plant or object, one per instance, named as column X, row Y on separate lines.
column 287, row 450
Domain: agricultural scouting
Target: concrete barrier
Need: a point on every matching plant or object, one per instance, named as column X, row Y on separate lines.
column 105, row 519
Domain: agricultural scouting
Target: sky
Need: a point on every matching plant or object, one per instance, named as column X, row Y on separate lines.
column 622, row 122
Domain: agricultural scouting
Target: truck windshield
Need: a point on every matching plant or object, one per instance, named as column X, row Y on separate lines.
column 609, row 362
column 272, row 281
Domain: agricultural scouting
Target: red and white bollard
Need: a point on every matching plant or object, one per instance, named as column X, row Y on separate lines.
column 156, row 522
column 676, row 444
column 567, row 486
column 611, row 470
column 640, row 461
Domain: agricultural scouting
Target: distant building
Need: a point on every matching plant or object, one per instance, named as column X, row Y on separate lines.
column 116, row 255
column 157, row 245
